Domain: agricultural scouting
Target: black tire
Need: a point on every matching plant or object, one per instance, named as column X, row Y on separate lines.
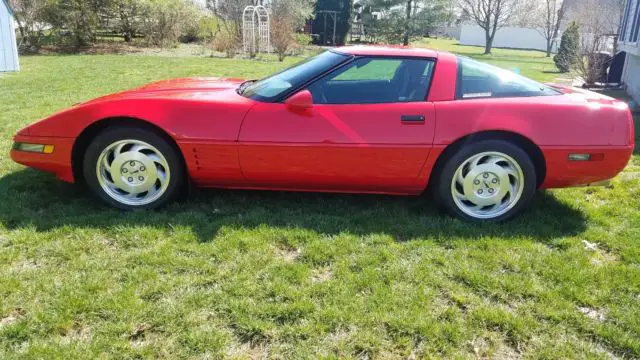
column 443, row 178
column 176, row 181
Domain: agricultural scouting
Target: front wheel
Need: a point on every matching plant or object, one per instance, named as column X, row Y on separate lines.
column 133, row 168
column 491, row 180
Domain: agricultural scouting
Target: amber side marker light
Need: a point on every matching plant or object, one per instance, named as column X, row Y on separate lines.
column 586, row 157
column 34, row 148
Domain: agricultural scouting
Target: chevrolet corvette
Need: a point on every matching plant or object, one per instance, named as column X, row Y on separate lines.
column 354, row 120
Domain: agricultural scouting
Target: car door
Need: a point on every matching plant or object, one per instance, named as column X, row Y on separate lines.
column 369, row 129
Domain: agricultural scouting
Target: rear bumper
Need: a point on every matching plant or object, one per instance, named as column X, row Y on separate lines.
column 57, row 163
column 561, row 172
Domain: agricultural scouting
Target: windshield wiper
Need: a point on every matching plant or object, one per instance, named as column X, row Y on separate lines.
column 240, row 90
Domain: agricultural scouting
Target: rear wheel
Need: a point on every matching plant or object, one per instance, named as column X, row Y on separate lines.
column 491, row 180
column 132, row 168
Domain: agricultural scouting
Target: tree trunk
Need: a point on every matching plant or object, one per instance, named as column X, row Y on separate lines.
column 549, row 47
column 20, row 28
column 488, row 42
column 407, row 27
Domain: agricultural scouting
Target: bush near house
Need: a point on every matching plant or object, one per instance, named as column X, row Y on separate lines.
column 282, row 36
column 569, row 51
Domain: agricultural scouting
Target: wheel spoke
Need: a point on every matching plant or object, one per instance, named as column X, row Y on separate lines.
column 118, row 150
column 105, row 163
column 155, row 158
column 460, row 178
column 476, row 161
column 508, row 170
column 494, row 160
column 162, row 175
column 459, row 196
column 139, row 148
column 110, row 183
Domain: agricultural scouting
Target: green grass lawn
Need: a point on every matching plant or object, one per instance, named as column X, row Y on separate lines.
column 244, row 274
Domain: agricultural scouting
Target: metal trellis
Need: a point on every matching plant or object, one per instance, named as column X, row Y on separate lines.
column 256, row 29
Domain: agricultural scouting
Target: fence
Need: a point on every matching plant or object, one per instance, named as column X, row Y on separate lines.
column 508, row 37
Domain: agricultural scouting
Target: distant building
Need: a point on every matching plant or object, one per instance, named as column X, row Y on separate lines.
column 506, row 37
column 629, row 41
column 8, row 46
column 203, row 3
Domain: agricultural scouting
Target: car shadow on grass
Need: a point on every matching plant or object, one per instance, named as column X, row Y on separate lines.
column 31, row 199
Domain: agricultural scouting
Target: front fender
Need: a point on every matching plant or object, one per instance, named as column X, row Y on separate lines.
column 180, row 118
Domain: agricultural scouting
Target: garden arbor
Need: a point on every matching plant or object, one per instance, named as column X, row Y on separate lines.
column 256, row 29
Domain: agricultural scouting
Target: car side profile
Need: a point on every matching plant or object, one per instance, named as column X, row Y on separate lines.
column 354, row 120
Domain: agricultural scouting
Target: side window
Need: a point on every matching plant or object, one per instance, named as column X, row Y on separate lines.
column 479, row 80
column 375, row 80
column 363, row 69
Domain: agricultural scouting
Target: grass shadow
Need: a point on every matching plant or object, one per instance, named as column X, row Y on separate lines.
column 41, row 202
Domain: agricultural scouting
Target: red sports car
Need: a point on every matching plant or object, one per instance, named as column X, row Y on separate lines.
column 353, row 119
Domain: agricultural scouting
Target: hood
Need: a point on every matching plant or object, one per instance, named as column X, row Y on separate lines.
column 192, row 84
column 176, row 88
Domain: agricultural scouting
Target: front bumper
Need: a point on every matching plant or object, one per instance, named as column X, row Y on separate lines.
column 58, row 162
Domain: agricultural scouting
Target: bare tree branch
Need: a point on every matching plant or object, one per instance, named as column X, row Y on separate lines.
column 490, row 15
column 548, row 19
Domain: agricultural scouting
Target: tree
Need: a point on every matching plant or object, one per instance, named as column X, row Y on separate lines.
column 402, row 19
column 569, row 51
column 281, row 36
column 166, row 20
column 28, row 15
column 490, row 15
column 408, row 11
column 128, row 16
column 548, row 19
column 343, row 22
column 230, row 11
column 77, row 17
column 287, row 16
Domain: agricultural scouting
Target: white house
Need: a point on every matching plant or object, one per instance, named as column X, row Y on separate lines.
column 8, row 47
column 630, row 42
column 203, row 3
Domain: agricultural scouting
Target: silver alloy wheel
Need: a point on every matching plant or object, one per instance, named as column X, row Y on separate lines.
column 487, row 185
column 133, row 172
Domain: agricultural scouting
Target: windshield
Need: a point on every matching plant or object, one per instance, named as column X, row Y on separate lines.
column 271, row 88
column 480, row 80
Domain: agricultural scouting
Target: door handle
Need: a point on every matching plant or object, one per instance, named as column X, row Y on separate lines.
column 414, row 119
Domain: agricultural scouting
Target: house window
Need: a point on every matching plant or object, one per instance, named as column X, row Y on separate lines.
column 636, row 23
column 625, row 21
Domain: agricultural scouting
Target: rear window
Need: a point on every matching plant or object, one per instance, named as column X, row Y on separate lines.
column 480, row 80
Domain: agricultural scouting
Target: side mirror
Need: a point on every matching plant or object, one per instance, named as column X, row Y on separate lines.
column 301, row 100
